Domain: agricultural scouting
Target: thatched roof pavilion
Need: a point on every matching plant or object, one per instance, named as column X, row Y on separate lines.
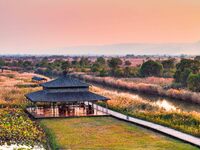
column 64, row 94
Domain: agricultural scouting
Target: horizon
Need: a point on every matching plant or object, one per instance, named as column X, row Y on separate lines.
column 86, row 27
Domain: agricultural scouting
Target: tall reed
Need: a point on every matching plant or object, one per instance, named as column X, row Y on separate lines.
column 142, row 87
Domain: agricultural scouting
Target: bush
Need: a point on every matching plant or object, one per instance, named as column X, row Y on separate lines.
column 194, row 82
column 151, row 68
column 10, row 75
column 17, row 128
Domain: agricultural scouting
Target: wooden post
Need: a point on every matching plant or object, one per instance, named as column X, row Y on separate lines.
column 53, row 109
column 96, row 109
column 106, row 107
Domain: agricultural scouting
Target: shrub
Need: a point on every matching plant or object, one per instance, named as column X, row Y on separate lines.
column 151, row 68
column 17, row 128
column 10, row 75
column 194, row 82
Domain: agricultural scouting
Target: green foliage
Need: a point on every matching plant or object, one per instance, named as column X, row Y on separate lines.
column 65, row 65
column 114, row 63
column 168, row 64
column 50, row 137
column 184, row 68
column 151, row 68
column 84, row 62
column 169, row 73
column 2, row 62
column 169, row 67
column 96, row 67
column 127, row 63
column 193, row 82
column 197, row 58
column 131, row 72
column 194, row 65
column 101, row 61
column 103, row 73
column 17, row 128
column 184, row 76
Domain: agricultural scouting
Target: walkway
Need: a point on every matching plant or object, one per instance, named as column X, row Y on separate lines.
column 172, row 132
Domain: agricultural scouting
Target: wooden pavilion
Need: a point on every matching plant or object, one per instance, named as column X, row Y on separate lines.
column 64, row 97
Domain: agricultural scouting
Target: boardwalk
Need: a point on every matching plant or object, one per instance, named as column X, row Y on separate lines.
column 174, row 133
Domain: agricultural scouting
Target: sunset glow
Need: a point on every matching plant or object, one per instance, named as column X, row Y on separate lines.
column 49, row 24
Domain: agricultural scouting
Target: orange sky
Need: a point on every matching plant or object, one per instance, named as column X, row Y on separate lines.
column 47, row 24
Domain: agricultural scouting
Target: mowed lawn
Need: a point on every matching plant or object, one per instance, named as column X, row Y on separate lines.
column 108, row 133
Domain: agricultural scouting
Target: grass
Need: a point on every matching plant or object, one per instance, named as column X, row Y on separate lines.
column 188, row 122
column 12, row 90
column 107, row 133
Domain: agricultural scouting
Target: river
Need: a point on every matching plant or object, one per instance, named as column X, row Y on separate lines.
column 164, row 102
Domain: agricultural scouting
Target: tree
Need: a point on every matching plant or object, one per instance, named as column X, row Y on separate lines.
column 184, row 68
column 114, row 64
column 127, row 63
column 101, row 61
column 193, row 82
column 27, row 65
column 95, row 67
column 197, row 58
column 184, row 76
column 103, row 73
column 65, row 66
column 131, row 72
column 2, row 62
column 194, row 65
column 84, row 62
column 169, row 63
column 151, row 68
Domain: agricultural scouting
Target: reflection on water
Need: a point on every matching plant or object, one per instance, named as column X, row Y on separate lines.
column 163, row 102
column 166, row 105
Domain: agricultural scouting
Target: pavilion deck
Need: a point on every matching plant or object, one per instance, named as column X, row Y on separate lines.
column 57, row 112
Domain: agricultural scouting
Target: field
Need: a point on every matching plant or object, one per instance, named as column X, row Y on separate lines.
column 13, row 87
column 107, row 133
column 16, row 128
column 80, row 133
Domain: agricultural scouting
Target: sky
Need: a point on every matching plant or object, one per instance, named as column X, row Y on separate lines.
column 45, row 26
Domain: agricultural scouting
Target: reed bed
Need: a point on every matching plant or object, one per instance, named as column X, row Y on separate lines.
column 142, row 87
column 12, row 90
column 188, row 122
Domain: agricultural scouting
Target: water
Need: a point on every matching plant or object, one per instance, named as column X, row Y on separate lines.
column 163, row 102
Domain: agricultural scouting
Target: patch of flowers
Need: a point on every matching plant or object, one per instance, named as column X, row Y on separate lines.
column 17, row 128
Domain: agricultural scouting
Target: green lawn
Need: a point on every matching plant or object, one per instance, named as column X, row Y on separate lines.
column 107, row 133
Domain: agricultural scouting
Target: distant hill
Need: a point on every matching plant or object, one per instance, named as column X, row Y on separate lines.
column 120, row 49
column 136, row 48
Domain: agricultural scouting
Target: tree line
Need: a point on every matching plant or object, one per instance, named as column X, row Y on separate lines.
column 186, row 72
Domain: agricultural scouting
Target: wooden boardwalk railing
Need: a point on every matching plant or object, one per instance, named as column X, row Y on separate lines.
column 172, row 132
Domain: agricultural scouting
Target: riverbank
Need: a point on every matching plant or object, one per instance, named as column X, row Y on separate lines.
column 188, row 122
column 181, row 94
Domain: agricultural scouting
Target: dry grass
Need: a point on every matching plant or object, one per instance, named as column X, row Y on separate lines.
column 150, row 80
column 10, row 93
column 143, row 87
